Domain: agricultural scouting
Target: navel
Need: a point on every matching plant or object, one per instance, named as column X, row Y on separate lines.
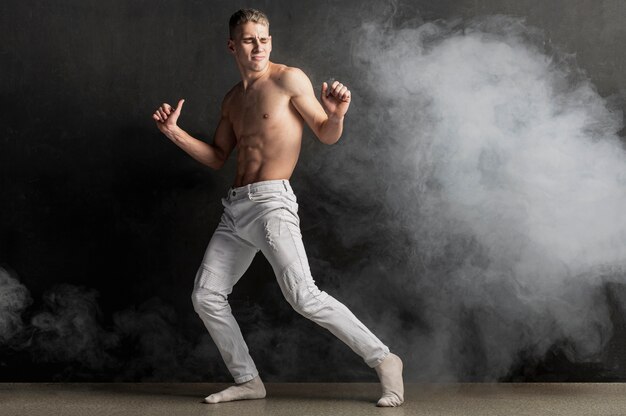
column 266, row 116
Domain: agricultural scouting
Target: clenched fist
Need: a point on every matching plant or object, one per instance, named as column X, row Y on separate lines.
column 336, row 98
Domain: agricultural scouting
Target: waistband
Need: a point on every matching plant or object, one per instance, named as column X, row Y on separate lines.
column 244, row 191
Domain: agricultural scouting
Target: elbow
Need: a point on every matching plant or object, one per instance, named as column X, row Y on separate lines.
column 217, row 165
column 329, row 141
column 328, row 137
column 217, row 160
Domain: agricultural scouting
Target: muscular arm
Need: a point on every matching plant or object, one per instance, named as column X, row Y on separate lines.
column 327, row 128
column 213, row 155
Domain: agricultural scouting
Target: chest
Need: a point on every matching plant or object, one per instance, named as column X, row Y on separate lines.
column 259, row 107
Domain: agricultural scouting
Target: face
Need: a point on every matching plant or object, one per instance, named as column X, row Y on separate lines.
column 251, row 45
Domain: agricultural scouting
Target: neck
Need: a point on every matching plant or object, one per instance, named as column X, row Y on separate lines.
column 250, row 77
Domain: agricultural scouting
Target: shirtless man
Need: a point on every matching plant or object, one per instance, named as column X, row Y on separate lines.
column 263, row 117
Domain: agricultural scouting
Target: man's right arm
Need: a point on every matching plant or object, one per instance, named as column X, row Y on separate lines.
column 213, row 155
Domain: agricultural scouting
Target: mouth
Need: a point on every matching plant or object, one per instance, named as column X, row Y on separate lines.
column 258, row 58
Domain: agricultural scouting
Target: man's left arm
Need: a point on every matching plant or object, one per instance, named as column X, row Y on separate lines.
column 326, row 119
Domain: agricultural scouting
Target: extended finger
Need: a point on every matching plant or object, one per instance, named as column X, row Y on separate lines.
column 180, row 106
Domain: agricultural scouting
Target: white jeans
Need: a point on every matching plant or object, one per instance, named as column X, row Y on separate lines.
column 264, row 216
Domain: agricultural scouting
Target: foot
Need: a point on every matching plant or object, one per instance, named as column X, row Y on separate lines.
column 390, row 375
column 253, row 389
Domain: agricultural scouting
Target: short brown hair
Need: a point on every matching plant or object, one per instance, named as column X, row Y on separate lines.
column 242, row 16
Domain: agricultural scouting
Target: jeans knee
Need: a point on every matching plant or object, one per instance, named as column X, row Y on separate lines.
column 307, row 299
column 306, row 309
column 300, row 290
column 206, row 301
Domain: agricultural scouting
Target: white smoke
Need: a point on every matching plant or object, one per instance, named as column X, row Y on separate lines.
column 69, row 330
column 14, row 299
column 499, row 194
column 66, row 331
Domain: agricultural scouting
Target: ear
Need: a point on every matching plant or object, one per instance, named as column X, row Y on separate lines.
column 231, row 46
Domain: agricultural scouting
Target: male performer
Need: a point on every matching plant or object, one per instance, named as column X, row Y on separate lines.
column 263, row 116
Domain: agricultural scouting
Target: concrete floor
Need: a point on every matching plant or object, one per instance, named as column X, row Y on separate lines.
column 171, row 399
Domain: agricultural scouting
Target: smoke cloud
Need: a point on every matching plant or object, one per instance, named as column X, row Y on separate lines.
column 68, row 329
column 496, row 212
column 14, row 299
column 67, row 332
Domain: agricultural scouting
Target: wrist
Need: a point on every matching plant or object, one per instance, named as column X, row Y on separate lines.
column 174, row 133
column 335, row 118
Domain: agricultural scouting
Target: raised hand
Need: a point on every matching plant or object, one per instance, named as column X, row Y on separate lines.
column 166, row 116
column 336, row 99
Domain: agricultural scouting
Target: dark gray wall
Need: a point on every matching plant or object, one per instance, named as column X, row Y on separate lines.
column 103, row 221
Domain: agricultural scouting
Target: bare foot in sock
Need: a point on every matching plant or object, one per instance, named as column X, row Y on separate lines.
column 390, row 374
column 253, row 389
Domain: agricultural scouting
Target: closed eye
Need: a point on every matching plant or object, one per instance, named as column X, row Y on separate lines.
column 250, row 40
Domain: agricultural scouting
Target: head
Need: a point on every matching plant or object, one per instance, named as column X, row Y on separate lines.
column 250, row 41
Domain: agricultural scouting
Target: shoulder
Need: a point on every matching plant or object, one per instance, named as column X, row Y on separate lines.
column 291, row 73
column 292, row 79
column 230, row 96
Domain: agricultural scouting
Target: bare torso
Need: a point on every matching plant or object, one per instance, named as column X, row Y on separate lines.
column 267, row 127
column 263, row 116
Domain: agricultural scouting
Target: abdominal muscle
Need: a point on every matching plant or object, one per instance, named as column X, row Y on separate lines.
column 264, row 159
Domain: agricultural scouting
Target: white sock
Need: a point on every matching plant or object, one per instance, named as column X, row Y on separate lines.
column 253, row 389
column 390, row 375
